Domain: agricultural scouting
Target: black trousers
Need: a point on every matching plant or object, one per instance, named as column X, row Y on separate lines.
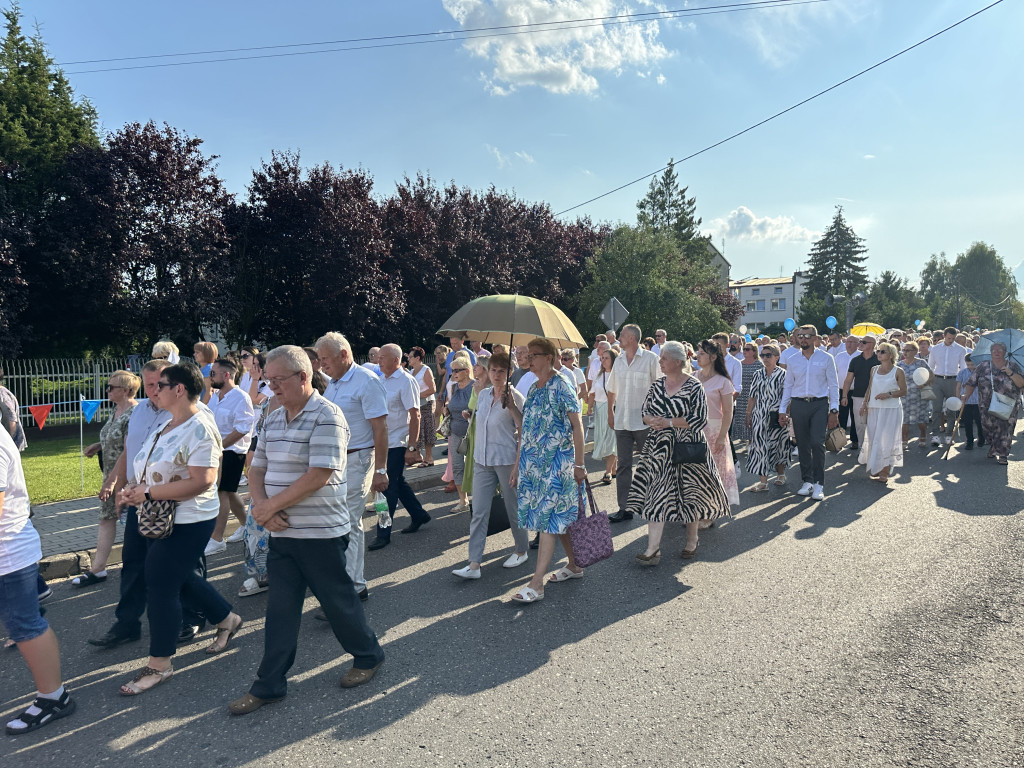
column 132, row 603
column 319, row 564
column 972, row 417
column 399, row 490
column 810, row 423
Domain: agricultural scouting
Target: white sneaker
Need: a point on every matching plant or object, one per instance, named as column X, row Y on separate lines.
column 947, row 440
column 805, row 489
column 214, row 547
column 819, row 493
column 467, row 573
column 237, row 536
column 243, row 482
column 935, row 440
column 515, row 560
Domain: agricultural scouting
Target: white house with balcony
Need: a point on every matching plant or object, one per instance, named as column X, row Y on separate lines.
column 768, row 300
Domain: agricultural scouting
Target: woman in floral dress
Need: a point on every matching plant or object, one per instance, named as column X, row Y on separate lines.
column 550, row 467
column 121, row 391
column 915, row 408
column 1002, row 376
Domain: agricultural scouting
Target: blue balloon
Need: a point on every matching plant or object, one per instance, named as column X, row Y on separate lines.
column 831, row 322
column 790, row 324
column 747, row 337
column 919, row 323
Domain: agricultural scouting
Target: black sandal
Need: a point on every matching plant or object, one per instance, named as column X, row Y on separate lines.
column 87, row 579
column 607, row 479
column 49, row 710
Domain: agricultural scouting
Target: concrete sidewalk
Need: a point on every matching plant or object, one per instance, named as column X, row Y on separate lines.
column 67, row 529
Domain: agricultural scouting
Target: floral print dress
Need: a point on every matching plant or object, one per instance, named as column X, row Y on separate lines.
column 547, row 491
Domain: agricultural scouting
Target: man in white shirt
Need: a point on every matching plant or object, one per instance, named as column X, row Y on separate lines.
column 595, row 354
column 810, row 397
column 233, row 412
column 835, row 343
column 568, row 359
column 20, row 553
column 373, row 364
column 630, row 380
column 732, row 365
column 946, row 361
column 403, row 423
column 362, row 398
column 610, row 338
column 849, row 351
column 660, row 337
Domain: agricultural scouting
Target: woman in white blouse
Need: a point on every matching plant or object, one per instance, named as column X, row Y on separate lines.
column 179, row 463
column 498, row 417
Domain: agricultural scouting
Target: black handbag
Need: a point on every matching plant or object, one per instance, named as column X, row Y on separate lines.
column 685, row 452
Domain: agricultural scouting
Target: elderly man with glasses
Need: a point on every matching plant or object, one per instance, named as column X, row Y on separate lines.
column 660, row 337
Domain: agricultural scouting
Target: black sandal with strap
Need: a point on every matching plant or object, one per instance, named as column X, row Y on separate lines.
column 87, row 579
column 49, row 710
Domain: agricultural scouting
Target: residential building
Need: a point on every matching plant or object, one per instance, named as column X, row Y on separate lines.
column 768, row 300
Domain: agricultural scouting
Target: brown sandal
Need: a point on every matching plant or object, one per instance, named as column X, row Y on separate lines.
column 132, row 688
column 232, row 631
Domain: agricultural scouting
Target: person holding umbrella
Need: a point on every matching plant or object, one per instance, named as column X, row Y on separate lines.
column 996, row 375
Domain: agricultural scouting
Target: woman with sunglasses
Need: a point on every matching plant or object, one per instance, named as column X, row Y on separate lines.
column 882, row 449
column 769, row 442
column 458, row 408
column 252, row 376
column 179, row 463
column 751, row 367
column 122, row 388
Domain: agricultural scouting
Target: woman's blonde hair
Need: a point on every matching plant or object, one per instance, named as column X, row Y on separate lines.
column 163, row 349
column 911, row 345
column 887, row 346
column 463, row 360
column 128, row 380
column 207, row 349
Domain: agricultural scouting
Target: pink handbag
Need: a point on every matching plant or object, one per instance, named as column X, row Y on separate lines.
column 591, row 536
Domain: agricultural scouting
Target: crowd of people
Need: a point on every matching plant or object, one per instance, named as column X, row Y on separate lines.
column 315, row 436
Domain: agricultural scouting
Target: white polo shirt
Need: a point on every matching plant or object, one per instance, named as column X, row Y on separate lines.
column 403, row 394
column 361, row 396
column 234, row 412
column 19, row 542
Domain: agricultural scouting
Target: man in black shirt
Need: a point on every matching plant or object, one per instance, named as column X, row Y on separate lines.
column 856, row 384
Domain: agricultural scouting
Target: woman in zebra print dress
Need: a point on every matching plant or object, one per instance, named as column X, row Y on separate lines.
column 769, row 442
column 675, row 409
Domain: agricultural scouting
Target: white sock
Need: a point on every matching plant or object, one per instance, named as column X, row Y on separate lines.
column 33, row 710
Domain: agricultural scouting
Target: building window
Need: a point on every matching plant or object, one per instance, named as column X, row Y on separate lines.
column 778, row 304
column 755, row 291
column 751, row 306
column 760, row 305
column 779, row 289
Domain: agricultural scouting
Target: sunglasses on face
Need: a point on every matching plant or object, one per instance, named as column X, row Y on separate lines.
column 805, row 336
column 245, row 356
column 459, row 370
column 767, row 354
column 164, row 384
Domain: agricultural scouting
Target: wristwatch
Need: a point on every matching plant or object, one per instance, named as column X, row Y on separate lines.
column 833, row 410
column 381, row 471
column 146, row 492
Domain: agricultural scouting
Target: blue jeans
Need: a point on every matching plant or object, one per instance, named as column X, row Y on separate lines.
column 19, row 604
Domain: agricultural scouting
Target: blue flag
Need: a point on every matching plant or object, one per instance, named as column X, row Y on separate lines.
column 89, row 408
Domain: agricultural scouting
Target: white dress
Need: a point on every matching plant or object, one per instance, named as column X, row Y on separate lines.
column 884, row 446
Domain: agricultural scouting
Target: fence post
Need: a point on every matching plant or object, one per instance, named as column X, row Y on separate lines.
column 96, row 378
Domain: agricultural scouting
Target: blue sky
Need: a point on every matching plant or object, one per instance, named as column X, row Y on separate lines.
column 924, row 153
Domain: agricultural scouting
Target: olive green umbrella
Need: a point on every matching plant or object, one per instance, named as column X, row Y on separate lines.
column 512, row 319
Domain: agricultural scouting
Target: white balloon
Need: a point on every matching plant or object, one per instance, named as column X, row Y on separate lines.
column 743, row 329
column 953, row 404
column 920, row 377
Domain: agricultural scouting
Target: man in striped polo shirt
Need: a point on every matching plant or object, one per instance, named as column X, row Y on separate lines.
column 297, row 482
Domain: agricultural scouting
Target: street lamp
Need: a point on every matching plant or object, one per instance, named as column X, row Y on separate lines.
column 857, row 300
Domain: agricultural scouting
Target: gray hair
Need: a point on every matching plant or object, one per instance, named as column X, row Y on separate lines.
column 634, row 330
column 999, row 344
column 392, row 349
column 603, row 345
column 293, row 358
column 334, row 343
column 674, row 350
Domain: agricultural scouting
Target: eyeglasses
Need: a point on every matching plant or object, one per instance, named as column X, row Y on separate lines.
column 245, row 356
column 164, row 384
column 865, row 343
column 459, row 370
column 767, row 354
column 750, row 349
column 805, row 335
column 279, row 380
column 113, row 386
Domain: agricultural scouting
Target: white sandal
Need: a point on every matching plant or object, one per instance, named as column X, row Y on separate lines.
column 564, row 574
column 527, row 595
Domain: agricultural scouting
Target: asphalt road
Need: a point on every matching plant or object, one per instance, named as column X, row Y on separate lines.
column 881, row 627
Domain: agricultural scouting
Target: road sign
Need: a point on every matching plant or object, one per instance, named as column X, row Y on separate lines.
column 614, row 314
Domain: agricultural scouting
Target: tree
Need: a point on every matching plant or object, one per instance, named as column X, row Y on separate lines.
column 938, row 292
column 891, row 302
column 40, row 118
column 640, row 268
column 315, row 239
column 835, row 265
column 133, row 246
column 984, row 287
column 14, row 236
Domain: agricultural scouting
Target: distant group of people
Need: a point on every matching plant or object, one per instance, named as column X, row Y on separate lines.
column 315, row 435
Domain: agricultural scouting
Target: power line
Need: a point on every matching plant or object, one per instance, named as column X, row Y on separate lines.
column 425, row 38
column 748, row 129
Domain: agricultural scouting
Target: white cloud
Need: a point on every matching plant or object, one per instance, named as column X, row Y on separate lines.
column 504, row 160
column 560, row 60
column 869, row 157
column 781, row 34
column 743, row 224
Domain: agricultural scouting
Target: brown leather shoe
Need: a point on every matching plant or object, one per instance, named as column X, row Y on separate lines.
column 356, row 676
column 249, row 703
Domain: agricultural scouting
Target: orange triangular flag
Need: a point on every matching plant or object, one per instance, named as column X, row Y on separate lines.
column 39, row 413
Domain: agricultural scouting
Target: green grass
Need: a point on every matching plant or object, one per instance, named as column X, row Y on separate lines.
column 53, row 473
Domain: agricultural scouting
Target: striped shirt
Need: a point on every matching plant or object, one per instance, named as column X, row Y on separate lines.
column 286, row 450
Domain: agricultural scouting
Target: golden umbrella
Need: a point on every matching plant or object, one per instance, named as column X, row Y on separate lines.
column 514, row 320
column 863, row 329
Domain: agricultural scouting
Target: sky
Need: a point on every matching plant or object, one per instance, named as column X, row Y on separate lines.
column 923, row 153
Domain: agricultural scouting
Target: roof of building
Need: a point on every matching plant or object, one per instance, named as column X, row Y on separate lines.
column 755, row 281
column 715, row 252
